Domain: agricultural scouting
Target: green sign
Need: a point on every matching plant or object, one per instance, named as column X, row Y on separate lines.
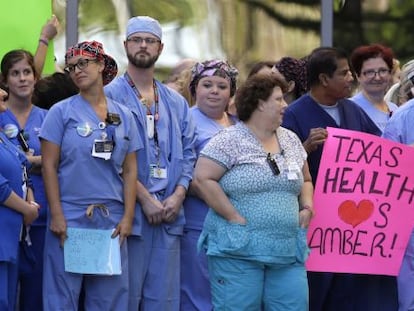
column 21, row 25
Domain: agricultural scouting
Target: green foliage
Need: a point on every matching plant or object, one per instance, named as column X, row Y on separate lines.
column 353, row 26
column 338, row 5
column 96, row 13
column 296, row 22
column 165, row 10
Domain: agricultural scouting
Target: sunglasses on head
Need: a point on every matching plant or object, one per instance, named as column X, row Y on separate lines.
column 273, row 165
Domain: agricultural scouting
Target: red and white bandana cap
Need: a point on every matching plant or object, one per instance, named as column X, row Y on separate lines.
column 94, row 49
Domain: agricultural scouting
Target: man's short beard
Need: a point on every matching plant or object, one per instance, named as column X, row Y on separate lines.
column 143, row 63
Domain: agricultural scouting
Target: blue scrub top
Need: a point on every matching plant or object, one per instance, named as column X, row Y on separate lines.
column 73, row 125
column 10, row 126
column 297, row 118
column 195, row 209
column 380, row 118
column 176, row 133
column 11, row 179
column 400, row 126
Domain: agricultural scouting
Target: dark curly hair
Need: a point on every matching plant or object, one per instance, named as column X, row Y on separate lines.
column 294, row 70
column 51, row 89
column 256, row 87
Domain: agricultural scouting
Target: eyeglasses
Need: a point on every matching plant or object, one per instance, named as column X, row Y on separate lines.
column 382, row 73
column 273, row 165
column 139, row 40
column 81, row 64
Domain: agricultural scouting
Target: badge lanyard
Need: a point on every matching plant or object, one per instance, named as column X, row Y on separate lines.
column 148, row 108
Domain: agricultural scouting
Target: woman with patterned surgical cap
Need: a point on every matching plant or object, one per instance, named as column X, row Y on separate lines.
column 212, row 84
column 255, row 178
column 89, row 144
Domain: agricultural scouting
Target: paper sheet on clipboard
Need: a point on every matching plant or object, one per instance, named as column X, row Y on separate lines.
column 92, row 251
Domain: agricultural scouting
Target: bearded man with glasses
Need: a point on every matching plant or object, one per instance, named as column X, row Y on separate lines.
column 165, row 169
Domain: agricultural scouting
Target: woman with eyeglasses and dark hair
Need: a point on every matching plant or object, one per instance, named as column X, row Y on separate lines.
column 89, row 143
column 255, row 178
column 373, row 65
column 21, row 123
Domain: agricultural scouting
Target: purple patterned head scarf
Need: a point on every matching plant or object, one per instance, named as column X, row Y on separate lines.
column 213, row 68
column 95, row 50
column 294, row 70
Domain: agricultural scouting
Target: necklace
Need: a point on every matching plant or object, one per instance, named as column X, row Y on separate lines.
column 152, row 120
column 143, row 100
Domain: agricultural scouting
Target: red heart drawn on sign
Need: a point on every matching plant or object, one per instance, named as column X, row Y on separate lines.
column 354, row 214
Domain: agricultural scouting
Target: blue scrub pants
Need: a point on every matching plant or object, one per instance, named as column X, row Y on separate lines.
column 405, row 278
column 195, row 282
column 61, row 289
column 154, row 268
column 31, row 270
column 252, row 286
column 8, row 285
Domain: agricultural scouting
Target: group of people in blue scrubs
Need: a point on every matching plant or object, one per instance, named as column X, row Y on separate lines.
column 122, row 155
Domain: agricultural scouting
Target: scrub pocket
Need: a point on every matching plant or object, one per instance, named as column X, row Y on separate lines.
column 302, row 249
column 233, row 239
column 174, row 230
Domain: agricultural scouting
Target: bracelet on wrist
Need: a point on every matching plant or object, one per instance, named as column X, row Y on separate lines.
column 306, row 207
column 44, row 41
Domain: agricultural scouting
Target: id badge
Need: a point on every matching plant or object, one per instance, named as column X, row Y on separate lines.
column 158, row 172
column 150, row 126
column 102, row 149
column 293, row 171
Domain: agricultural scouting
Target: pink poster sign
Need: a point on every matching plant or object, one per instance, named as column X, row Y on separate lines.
column 364, row 202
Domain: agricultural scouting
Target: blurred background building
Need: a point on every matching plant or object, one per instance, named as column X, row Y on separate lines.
column 241, row 31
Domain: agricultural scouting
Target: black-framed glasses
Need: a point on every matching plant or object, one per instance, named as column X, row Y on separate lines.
column 139, row 40
column 273, row 165
column 382, row 73
column 81, row 64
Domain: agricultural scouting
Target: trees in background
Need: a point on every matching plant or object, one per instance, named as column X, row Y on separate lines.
column 253, row 30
